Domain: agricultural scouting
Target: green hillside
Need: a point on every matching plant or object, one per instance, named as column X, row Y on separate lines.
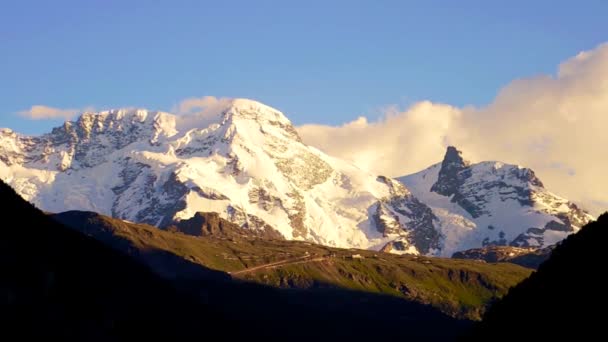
column 460, row 288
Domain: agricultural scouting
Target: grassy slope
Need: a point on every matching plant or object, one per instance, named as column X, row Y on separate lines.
column 461, row 288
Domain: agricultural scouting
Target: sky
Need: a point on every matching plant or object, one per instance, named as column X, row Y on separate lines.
column 317, row 61
column 386, row 84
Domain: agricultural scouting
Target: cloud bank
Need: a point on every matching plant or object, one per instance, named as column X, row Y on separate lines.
column 41, row 112
column 554, row 124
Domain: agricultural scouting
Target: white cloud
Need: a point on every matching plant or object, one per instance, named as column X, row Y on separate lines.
column 200, row 111
column 555, row 125
column 400, row 142
column 41, row 112
column 195, row 105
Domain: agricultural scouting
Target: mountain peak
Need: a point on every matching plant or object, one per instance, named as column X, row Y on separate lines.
column 453, row 156
column 251, row 109
column 493, row 203
column 255, row 118
column 451, row 166
column 245, row 103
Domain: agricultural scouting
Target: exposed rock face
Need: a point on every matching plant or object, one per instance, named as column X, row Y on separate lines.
column 450, row 176
column 404, row 215
column 397, row 246
column 205, row 224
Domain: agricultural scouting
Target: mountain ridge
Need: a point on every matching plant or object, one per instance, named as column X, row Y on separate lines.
column 493, row 203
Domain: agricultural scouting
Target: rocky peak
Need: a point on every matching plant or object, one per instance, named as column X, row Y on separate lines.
column 202, row 224
column 450, row 177
column 210, row 223
column 87, row 141
column 123, row 120
column 499, row 204
column 453, row 156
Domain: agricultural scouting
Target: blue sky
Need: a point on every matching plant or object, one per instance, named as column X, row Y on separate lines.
column 318, row 61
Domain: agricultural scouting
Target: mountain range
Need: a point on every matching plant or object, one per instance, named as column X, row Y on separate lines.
column 248, row 164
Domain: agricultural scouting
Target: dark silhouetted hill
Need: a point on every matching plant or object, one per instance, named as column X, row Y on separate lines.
column 58, row 283
column 567, row 296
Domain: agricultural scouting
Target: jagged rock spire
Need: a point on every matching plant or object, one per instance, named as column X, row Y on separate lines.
column 451, row 166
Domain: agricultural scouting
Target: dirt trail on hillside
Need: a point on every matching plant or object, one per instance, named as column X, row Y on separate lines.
column 298, row 260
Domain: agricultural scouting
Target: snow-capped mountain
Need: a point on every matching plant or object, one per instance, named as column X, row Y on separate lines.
column 492, row 203
column 247, row 163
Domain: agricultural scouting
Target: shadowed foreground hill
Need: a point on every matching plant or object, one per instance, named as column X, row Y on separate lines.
column 459, row 288
column 57, row 282
column 567, row 294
